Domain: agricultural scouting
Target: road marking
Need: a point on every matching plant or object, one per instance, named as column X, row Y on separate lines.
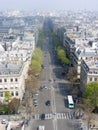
column 57, row 116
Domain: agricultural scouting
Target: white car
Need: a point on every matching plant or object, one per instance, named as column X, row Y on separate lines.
column 36, row 94
column 4, row 121
column 41, row 127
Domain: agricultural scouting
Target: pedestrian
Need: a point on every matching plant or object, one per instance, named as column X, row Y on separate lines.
column 27, row 122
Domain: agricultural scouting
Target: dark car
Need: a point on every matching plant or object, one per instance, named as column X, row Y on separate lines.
column 42, row 87
column 42, row 117
column 48, row 103
column 63, row 73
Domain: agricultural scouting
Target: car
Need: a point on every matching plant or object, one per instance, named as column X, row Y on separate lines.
column 63, row 73
column 35, row 100
column 76, row 100
column 42, row 117
column 45, row 87
column 4, row 121
column 48, row 103
column 41, row 87
column 35, row 94
column 35, row 104
column 41, row 127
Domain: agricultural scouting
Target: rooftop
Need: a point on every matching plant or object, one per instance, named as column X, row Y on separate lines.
column 7, row 68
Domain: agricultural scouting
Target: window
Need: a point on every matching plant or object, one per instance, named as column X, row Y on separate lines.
column 12, row 93
column 11, row 80
column 90, row 79
column 1, row 94
column 0, row 80
column 16, row 93
column 5, row 80
column 95, row 79
column 16, row 79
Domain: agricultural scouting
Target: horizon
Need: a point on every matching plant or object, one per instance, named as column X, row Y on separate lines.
column 43, row 5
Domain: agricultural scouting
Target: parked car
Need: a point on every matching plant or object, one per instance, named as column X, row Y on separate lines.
column 35, row 100
column 4, row 121
column 45, row 87
column 41, row 88
column 35, row 94
column 35, row 104
column 42, row 117
column 48, row 103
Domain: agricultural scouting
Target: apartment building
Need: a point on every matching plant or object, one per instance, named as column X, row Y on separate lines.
column 84, row 50
column 89, row 72
column 12, row 79
column 69, row 46
column 14, row 64
column 80, row 49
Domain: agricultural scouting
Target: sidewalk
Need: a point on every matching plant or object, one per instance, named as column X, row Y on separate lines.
column 94, row 121
column 91, row 123
column 28, row 125
column 2, row 126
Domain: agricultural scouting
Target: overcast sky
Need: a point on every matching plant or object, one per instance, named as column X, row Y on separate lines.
column 48, row 5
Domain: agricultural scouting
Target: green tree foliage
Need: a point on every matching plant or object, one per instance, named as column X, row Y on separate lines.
column 62, row 55
column 40, row 39
column 91, row 93
column 38, row 55
column 36, row 61
column 35, row 66
column 8, row 96
column 55, row 39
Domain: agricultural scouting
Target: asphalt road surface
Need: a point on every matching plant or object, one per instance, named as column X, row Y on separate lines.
column 57, row 115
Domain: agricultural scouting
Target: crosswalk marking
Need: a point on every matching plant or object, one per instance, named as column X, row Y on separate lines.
column 67, row 115
column 48, row 116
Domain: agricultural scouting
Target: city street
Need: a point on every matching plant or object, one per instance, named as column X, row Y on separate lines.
column 55, row 88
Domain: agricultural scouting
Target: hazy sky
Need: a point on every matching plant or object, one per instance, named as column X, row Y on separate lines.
column 49, row 5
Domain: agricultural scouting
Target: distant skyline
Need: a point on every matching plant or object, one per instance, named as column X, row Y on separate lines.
column 48, row 5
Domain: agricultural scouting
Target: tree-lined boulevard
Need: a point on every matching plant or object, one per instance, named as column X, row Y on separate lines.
column 57, row 115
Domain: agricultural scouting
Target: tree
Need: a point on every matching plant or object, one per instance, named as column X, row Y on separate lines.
column 8, row 96
column 13, row 105
column 62, row 55
column 36, row 62
column 71, row 74
column 91, row 94
column 38, row 55
column 35, row 66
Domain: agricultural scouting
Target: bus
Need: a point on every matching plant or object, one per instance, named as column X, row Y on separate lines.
column 70, row 101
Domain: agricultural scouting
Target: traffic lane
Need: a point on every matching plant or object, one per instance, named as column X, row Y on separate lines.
column 60, row 93
column 46, row 69
column 66, row 125
column 59, row 72
column 46, row 74
column 47, row 123
column 43, row 97
column 60, row 103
